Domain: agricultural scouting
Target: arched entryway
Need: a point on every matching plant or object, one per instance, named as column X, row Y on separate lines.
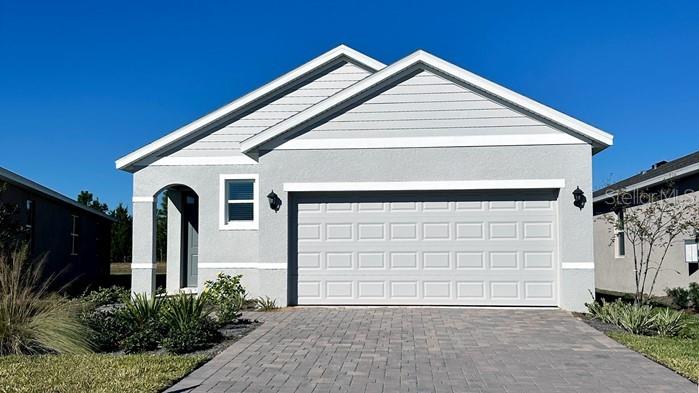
column 166, row 230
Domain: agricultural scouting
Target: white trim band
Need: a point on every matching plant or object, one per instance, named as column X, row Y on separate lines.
column 436, row 141
column 578, row 265
column 428, row 185
column 143, row 266
column 198, row 161
column 138, row 199
column 242, row 265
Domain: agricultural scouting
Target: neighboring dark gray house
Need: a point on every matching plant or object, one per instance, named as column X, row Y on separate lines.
column 74, row 238
column 347, row 181
column 614, row 261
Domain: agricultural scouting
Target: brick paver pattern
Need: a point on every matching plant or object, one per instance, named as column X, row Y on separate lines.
column 396, row 349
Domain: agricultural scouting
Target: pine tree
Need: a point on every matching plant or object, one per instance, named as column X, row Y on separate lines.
column 121, row 234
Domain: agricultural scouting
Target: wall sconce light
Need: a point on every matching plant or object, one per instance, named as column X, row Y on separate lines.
column 274, row 202
column 579, row 198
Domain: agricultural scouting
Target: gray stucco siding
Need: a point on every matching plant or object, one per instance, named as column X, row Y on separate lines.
column 269, row 244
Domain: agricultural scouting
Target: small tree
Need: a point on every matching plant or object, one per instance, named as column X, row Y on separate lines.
column 121, row 234
column 11, row 230
column 89, row 200
column 651, row 224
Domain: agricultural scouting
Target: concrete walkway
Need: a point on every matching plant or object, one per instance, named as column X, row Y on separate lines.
column 428, row 350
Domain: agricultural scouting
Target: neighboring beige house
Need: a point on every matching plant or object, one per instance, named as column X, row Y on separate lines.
column 614, row 259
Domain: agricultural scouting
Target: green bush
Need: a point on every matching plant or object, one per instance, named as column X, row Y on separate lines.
column 693, row 295
column 228, row 295
column 266, row 304
column 106, row 296
column 33, row 320
column 144, row 338
column 639, row 319
column 679, row 296
column 109, row 328
column 188, row 322
column 142, row 314
column 670, row 323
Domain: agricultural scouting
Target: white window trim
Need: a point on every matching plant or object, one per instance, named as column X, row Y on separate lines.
column 224, row 224
column 690, row 251
column 618, row 232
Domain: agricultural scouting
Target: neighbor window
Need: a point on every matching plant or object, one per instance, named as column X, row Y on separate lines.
column 30, row 224
column 691, row 254
column 75, row 235
column 620, row 237
column 239, row 199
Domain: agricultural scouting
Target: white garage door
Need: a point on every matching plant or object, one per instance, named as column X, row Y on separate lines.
column 426, row 248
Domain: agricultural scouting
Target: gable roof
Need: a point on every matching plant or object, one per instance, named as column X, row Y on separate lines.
column 683, row 166
column 423, row 60
column 11, row 177
column 219, row 115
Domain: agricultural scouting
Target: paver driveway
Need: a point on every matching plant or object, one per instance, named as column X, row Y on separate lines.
column 428, row 350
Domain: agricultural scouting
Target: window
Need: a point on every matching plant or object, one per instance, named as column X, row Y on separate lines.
column 30, row 223
column 620, row 238
column 75, row 236
column 239, row 202
column 691, row 251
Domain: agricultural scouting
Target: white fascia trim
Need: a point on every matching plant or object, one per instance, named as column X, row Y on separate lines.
column 578, row 265
column 422, row 57
column 196, row 125
column 689, row 169
column 427, row 185
column 242, row 265
column 223, row 225
column 436, row 141
column 144, row 199
column 199, row 161
column 143, row 266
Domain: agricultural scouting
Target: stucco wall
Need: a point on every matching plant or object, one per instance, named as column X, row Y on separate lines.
column 617, row 274
column 269, row 245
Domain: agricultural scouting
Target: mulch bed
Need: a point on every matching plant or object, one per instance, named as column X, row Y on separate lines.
column 597, row 324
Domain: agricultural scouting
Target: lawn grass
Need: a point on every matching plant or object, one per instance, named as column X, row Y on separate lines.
column 93, row 373
column 679, row 354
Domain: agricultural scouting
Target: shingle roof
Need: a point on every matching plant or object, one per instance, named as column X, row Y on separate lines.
column 664, row 169
column 11, row 177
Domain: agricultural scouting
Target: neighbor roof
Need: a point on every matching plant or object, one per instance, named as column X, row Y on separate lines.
column 598, row 138
column 11, row 177
column 214, row 117
column 675, row 169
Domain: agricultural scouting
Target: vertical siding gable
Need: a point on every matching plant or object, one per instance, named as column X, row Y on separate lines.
column 226, row 140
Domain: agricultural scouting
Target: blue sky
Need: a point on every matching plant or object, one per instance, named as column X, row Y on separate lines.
column 83, row 83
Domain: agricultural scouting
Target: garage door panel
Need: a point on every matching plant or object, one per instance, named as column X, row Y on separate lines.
column 426, row 248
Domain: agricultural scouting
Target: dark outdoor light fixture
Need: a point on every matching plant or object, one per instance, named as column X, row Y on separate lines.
column 579, row 198
column 274, row 202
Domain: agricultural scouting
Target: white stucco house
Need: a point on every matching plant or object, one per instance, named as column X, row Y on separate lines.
column 415, row 183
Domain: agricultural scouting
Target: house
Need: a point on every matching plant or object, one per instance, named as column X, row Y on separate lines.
column 678, row 179
column 74, row 239
column 346, row 181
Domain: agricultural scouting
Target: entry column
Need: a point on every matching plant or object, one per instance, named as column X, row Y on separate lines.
column 143, row 250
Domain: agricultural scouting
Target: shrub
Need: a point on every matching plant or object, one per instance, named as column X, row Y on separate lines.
column 607, row 312
column 637, row 319
column 144, row 338
column 32, row 320
column 266, row 304
column 106, row 296
column 693, row 295
column 228, row 295
column 187, row 318
column 679, row 296
column 141, row 314
column 109, row 328
column 669, row 322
